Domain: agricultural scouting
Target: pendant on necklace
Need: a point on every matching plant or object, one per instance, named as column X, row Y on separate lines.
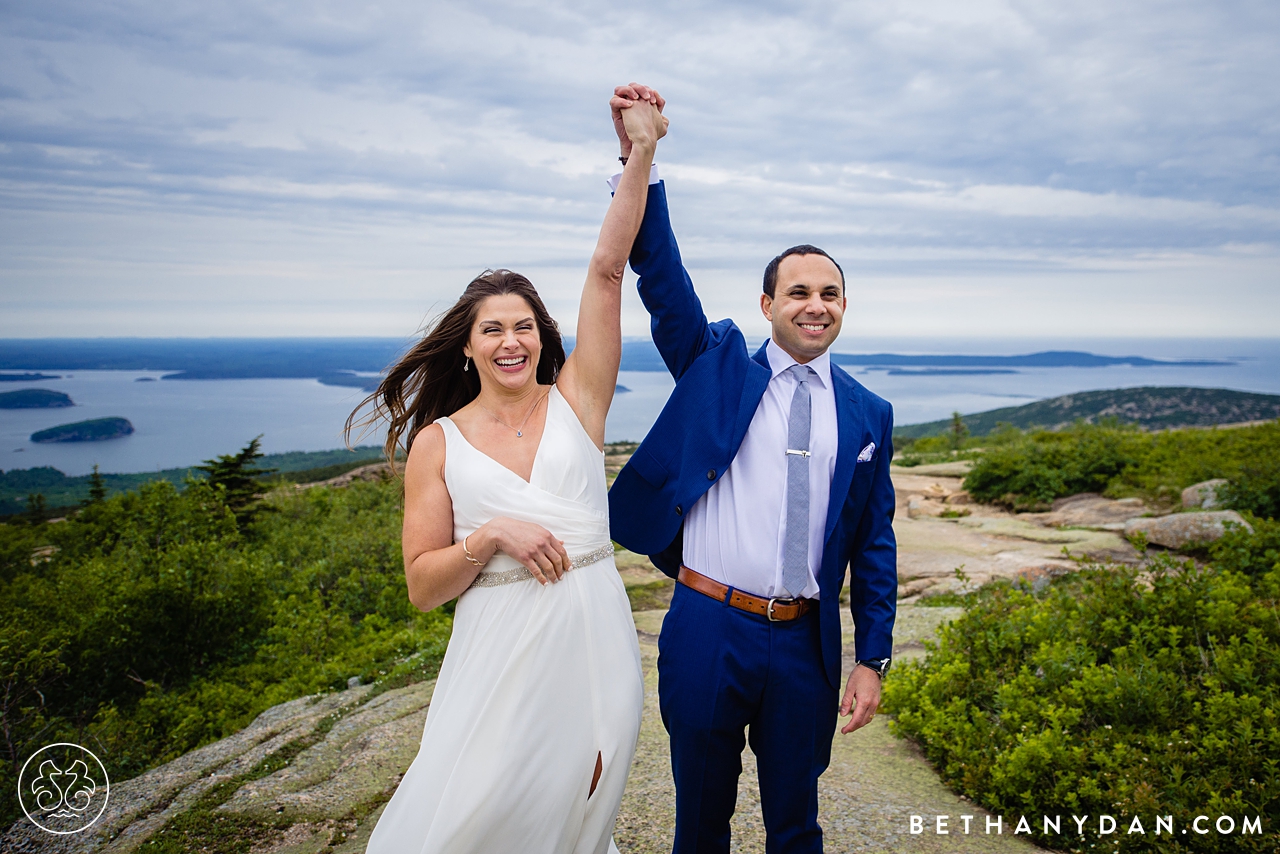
column 519, row 435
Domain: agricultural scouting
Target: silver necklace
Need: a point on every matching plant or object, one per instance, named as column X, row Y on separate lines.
column 519, row 430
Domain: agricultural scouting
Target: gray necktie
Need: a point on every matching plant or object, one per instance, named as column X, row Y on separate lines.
column 795, row 549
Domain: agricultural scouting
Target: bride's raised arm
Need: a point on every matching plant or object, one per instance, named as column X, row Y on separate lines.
column 590, row 374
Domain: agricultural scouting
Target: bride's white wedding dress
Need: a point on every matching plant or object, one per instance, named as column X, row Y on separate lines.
column 537, row 679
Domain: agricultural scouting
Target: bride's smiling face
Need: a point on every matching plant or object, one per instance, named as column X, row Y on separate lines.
column 504, row 343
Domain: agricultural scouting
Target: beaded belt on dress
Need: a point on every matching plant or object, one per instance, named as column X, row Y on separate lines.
column 520, row 573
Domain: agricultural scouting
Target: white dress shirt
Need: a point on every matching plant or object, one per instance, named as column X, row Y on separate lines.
column 616, row 178
column 735, row 532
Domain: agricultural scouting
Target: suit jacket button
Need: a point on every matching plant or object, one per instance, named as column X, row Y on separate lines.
column 679, row 510
column 711, row 475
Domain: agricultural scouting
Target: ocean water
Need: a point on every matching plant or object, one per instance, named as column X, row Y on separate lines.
column 176, row 423
column 181, row 422
column 1255, row 366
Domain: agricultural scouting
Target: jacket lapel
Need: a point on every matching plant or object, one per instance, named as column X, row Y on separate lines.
column 848, row 424
column 758, row 375
column 761, row 357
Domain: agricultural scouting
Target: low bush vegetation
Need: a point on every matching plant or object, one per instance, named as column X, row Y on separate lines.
column 1117, row 690
column 956, row 444
column 151, row 623
column 1026, row 471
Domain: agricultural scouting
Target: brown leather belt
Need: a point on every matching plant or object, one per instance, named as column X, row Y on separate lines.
column 777, row 610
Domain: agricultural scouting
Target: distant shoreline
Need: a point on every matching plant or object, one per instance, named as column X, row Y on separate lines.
column 339, row 361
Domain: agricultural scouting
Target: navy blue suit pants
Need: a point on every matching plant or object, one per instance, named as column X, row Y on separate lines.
column 723, row 671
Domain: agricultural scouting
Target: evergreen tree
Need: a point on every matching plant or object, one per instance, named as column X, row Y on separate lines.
column 239, row 478
column 959, row 430
column 97, row 488
column 35, row 508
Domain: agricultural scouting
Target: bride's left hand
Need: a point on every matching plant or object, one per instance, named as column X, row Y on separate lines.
column 536, row 548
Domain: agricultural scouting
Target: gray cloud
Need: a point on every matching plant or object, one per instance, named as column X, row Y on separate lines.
column 316, row 154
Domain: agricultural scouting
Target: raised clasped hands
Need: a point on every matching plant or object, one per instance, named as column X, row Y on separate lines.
column 637, row 116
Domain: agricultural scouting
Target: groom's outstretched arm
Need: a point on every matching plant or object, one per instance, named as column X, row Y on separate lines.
column 678, row 323
column 677, row 320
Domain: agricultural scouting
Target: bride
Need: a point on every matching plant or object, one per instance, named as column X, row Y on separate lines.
column 536, row 710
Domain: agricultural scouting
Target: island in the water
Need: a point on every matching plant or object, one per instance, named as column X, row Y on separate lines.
column 27, row 377
column 34, row 398
column 93, row 430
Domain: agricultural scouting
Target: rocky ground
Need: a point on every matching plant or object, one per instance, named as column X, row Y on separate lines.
column 876, row 782
column 940, row 530
column 312, row 775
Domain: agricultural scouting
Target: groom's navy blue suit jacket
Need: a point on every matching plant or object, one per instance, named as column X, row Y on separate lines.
column 718, row 387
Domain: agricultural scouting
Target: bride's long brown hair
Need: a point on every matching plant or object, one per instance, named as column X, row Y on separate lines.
column 429, row 382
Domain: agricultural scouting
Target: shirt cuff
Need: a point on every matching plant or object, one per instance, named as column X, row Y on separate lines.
column 616, row 179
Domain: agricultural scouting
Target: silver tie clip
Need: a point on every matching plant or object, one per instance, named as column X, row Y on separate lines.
column 800, row 453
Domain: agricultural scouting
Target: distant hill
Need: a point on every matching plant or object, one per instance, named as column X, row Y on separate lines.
column 60, row 490
column 1152, row 408
column 33, row 398
column 203, row 358
column 1045, row 359
column 331, row 360
column 93, row 430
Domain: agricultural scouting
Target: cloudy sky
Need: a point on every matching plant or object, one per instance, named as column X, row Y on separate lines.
column 986, row 169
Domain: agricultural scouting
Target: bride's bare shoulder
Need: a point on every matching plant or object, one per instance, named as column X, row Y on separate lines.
column 426, row 454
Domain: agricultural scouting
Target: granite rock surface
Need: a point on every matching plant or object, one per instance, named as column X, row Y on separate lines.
column 1183, row 529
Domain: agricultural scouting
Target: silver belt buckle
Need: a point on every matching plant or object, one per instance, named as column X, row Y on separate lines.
column 768, row 612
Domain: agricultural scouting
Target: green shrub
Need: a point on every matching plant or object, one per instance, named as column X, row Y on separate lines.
column 1027, row 471
column 1046, row 465
column 1250, row 554
column 150, row 624
column 951, row 446
column 1256, row 488
column 1114, row 691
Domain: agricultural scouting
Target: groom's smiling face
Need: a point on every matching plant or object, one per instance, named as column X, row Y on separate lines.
column 807, row 305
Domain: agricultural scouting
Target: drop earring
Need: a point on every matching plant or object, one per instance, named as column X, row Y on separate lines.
column 466, row 366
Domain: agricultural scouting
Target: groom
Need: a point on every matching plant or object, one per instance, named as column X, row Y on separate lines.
column 764, row 478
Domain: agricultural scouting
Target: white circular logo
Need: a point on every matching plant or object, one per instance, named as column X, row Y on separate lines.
column 63, row 788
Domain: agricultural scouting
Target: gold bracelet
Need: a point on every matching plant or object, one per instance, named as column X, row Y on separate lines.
column 466, row 552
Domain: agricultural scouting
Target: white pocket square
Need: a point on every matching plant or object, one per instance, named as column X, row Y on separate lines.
column 867, row 453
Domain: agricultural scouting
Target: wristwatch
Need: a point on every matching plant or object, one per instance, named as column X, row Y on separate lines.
column 879, row 665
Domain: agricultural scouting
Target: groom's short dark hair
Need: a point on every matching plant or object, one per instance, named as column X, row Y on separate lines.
column 771, row 271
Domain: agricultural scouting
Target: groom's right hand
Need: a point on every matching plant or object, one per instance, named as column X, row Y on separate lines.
column 623, row 98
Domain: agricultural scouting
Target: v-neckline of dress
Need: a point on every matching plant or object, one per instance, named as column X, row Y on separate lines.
column 537, row 454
